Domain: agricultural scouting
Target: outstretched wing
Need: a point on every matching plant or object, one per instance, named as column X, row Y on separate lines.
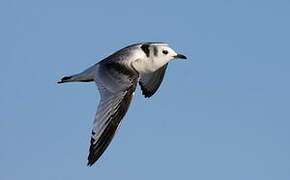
column 116, row 84
column 150, row 82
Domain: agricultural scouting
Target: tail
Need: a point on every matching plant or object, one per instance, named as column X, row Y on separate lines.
column 66, row 79
column 85, row 76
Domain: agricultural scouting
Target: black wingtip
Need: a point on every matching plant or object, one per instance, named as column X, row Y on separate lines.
column 89, row 164
column 145, row 92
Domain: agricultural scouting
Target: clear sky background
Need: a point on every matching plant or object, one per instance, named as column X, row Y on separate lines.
column 223, row 114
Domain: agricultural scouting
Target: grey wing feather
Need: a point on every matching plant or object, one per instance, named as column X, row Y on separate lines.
column 110, row 114
column 150, row 82
column 114, row 103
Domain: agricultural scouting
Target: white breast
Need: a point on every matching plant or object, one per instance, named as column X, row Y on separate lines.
column 148, row 65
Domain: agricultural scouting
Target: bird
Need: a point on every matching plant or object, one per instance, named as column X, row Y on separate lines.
column 117, row 77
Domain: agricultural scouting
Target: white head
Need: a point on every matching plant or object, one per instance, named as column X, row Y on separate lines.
column 155, row 55
column 160, row 50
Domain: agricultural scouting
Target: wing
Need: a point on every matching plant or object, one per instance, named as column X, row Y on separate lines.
column 116, row 86
column 150, row 82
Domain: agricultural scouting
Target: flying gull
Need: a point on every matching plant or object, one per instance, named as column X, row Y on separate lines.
column 117, row 77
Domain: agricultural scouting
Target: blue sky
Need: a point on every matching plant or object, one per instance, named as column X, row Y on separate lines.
column 223, row 114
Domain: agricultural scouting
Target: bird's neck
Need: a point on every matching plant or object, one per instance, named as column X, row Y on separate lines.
column 144, row 66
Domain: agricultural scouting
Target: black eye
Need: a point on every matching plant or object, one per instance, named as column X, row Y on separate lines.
column 165, row 52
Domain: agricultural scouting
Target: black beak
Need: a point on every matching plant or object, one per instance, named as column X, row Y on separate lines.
column 180, row 56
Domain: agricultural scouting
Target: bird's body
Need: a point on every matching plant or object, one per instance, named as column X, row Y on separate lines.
column 117, row 77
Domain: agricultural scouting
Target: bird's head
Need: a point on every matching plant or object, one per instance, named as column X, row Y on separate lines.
column 151, row 56
column 160, row 52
